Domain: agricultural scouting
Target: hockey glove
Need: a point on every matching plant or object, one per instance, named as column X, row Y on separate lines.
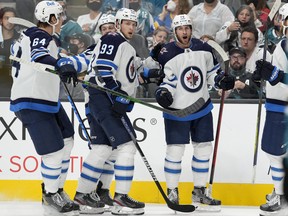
column 268, row 72
column 163, row 97
column 145, row 76
column 66, row 71
column 224, row 82
column 156, row 50
column 120, row 104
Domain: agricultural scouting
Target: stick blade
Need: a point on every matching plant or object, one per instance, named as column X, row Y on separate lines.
column 181, row 208
column 193, row 108
column 274, row 9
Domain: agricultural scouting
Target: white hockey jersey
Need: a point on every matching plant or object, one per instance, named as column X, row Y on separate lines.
column 114, row 60
column 187, row 73
column 277, row 96
column 34, row 89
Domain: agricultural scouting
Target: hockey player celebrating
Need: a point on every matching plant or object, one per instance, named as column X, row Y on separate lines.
column 274, row 142
column 112, row 66
column 188, row 66
column 35, row 101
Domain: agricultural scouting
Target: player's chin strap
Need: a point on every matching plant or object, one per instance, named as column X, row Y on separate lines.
column 196, row 106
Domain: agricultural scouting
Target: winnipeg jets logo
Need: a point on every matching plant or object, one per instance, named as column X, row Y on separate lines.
column 130, row 70
column 192, row 79
column 163, row 50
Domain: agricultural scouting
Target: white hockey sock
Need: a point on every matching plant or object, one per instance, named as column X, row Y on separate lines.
column 108, row 170
column 68, row 146
column 277, row 172
column 51, row 170
column 200, row 163
column 172, row 165
column 92, row 167
column 124, row 167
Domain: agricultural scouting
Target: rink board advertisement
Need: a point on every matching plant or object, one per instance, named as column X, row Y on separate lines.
column 19, row 163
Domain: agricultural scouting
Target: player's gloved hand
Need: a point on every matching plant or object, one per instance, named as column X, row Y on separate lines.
column 120, row 104
column 268, row 72
column 66, row 71
column 145, row 76
column 163, row 97
column 223, row 81
column 156, row 50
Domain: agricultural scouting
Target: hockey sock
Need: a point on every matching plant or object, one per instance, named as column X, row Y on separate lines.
column 124, row 167
column 277, row 172
column 172, row 165
column 68, row 146
column 93, row 167
column 200, row 163
column 51, row 170
column 108, row 170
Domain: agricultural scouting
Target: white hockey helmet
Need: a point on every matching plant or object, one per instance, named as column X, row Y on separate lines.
column 283, row 12
column 126, row 14
column 180, row 20
column 106, row 18
column 45, row 9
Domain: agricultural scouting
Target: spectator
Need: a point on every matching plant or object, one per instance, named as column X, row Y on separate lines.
column 249, row 38
column 68, row 28
column 153, row 6
column 244, row 87
column 89, row 22
column 230, row 32
column 208, row 18
column 261, row 11
column 145, row 20
column 274, row 33
column 78, row 42
column 7, row 35
column 169, row 11
column 160, row 35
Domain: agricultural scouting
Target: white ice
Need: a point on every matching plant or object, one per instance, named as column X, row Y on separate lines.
column 35, row 209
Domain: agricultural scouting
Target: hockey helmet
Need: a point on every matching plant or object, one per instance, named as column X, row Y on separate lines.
column 180, row 20
column 283, row 13
column 45, row 9
column 126, row 14
column 106, row 18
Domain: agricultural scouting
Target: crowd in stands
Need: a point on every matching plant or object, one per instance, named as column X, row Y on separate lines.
column 232, row 24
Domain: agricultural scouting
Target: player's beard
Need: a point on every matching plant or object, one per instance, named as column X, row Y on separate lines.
column 185, row 41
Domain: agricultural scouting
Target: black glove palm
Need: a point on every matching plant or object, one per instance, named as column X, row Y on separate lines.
column 156, row 50
column 267, row 71
column 223, row 81
column 66, row 71
column 164, row 97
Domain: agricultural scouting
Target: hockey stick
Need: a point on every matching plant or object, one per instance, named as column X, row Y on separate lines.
column 20, row 21
column 171, row 205
column 179, row 113
column 272, row 13
column 225, row 59
column 73, row 105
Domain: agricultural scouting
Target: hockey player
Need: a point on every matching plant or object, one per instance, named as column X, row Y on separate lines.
column 112, row 66
column 35, row 101
column 188, row 66
column 276, row 145
column 274, row 142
